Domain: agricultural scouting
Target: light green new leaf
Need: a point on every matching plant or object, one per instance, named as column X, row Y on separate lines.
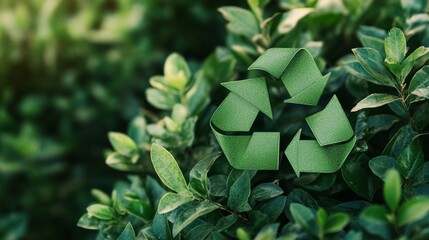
column 372, row 61
column 392, row 189
column 305, row 217
column 239, row 193
column 336, row 222
column 160, row 99
column 128, row 233
column 257, row 7
column 100, row 211
column 413, row 210
column 90, row 223
column 167, row 169
column 395, row 45
column 291, row 18
column 419, row 52
column 241, row 21
column 375, row 100
column 421, row 92
column 171, row 201
column 176, row 71
column 188, row 215
column 122, row 143
column 411, row 159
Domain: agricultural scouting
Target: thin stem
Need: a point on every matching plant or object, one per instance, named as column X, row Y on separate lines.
column 419, row 135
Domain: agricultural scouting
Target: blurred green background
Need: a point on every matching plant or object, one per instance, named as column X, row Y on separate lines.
column 70, row 71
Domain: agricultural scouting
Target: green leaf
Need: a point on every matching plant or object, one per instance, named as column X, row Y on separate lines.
column 239, row 193
column 382, row 122
column 176, row 71
column 137, row 130
column 357, row 179
column 411, row 159
column 420, row 80
column 399, row 141
column 336, row 222
column 241, row 21
column 290, row 19
column 373, row 220
column 128, row 233
column 180, row 114
column 422, row 176
column 257, row 7
column 100, row 211
column 356, row 69
column 90, row 223
column 413, row 210
column 167, row 169
column 305, row 217
column 395, row 45
column 102, row 197
column 375, row 100
column 372, row 61
column 171, row 201
column 242, row 234
column 198, row 176
column 122, row 143
column 192, row 212
column 265, row 191
column 392, row 189
column 123, row 163
column 421, row 116
column 422, row 92
column 380, row 164
column 161, row 99
column 299, row 196
column 419, row 52
column 268, row 232
column 372, row 37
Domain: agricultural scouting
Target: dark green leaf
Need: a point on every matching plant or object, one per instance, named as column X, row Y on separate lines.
column 265, row 191
column 128, row 233
column 374, row 220
column 422, row 176
column 357, row 179
column 421, row 116
column 167, row 169
column 411, row 159
column 382, row 122
column 356, row 69
column 379, row 165
column 373, row 63
column 392, row 189
column 239, row 193
column 217, row 186
column 198, row 176
column 226, row 222
column 375, row 100
column 399, row 141
column 192, row 212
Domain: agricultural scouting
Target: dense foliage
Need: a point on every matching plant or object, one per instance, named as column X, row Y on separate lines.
column 95, row 65
column 379, row 193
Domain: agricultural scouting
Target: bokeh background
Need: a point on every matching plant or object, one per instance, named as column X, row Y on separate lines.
column 70, row 71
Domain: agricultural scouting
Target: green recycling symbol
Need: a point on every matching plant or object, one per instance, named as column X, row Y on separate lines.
column 233, row 119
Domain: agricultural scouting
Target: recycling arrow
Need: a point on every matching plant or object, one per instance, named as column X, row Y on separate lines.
column 301, row 77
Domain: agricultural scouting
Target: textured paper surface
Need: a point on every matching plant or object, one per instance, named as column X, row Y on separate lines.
column 298, row 72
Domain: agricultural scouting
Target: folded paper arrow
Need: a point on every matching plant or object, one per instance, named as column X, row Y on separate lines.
column 301, row 77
